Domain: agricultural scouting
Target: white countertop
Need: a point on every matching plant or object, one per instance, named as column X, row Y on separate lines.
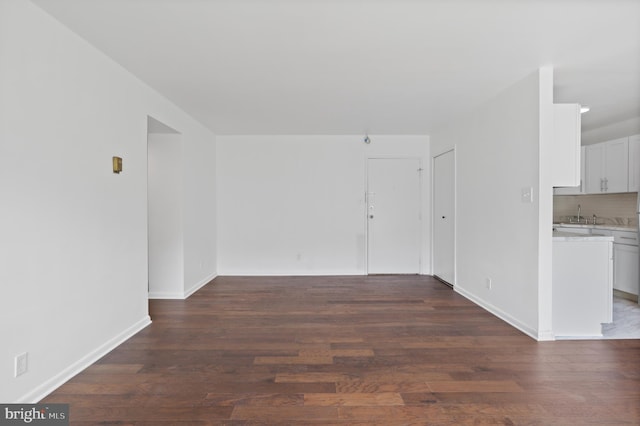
column 570, row 236
column 607, row 227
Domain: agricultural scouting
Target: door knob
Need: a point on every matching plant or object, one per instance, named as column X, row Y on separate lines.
column 443, row 217
column 370, row 216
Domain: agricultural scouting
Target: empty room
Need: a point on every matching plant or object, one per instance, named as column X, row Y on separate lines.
column 319, row 212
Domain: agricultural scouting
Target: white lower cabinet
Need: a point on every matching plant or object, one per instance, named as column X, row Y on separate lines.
column 625, row 268
column 626, row 259
column 582, row 293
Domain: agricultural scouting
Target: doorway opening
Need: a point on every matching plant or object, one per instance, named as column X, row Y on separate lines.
column 165, row 172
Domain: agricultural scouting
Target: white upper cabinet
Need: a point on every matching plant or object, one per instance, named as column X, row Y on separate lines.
column 616, row 166
column 580, row 189
column 634, row 163
column 595, row 168
column 607, row 167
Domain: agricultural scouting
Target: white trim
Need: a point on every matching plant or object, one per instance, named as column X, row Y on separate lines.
column 444, row 151
column 296, row 274
column 455, row 210
column 65, row 375
column 579, row 337
column 531, row 332
column 166, row 295
column 175, row 295
column 546, row 336
column 197, row 286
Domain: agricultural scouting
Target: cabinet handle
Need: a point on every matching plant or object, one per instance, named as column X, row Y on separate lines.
column 606, row 185
column 601, row 185
column 627, row 238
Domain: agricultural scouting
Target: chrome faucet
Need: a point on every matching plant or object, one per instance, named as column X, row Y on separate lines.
column 579, row 213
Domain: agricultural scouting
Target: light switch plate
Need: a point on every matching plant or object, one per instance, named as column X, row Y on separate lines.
column 527, row 195
column 21, row 364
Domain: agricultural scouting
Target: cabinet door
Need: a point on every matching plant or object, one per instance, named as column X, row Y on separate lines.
column 616, row 167
column 625, row 268
column 595, row 168
column 634, row 163
column 580, row 189
column 607, row 167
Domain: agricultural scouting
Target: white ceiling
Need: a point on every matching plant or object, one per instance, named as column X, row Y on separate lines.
column 356, row 66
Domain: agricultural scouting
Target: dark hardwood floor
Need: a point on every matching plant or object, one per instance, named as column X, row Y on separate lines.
column 388, row 350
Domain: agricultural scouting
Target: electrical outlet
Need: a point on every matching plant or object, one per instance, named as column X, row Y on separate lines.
column 488, row 283
column 21, row 364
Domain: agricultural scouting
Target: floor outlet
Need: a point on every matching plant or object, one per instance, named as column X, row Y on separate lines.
column 22, row 364
column 488, row 281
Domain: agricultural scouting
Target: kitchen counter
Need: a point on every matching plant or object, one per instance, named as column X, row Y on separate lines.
column 570, row 236
column 606, row 227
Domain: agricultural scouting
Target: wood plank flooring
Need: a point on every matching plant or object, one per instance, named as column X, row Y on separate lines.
column 387, row 350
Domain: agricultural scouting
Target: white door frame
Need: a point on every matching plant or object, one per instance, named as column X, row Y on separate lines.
column 455, row 210
column 366, row 205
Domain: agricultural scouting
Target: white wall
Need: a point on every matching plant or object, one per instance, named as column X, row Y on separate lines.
column 166, row 234
column 612, row 131
column 497, row 153
column 73, row 240
column 294, row 205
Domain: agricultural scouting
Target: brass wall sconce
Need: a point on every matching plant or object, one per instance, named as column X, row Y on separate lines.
column 117, row 165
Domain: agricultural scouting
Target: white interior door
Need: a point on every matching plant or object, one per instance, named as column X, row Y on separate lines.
column 444, row 217
column 393, row 216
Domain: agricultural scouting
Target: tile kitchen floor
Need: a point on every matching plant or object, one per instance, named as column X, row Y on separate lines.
column 626, row 320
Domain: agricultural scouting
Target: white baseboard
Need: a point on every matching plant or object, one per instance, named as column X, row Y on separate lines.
column 305, row 274
column 579, row 337
column 199, row 285
column 181, row 296
column 292, row 274
column 546, row 336
column 65, row 375
column 499, row 313
column 166, row 295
